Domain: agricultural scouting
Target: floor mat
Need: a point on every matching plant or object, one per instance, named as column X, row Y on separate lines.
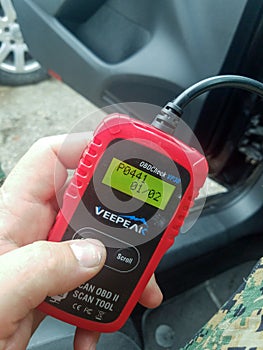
column 177, row 320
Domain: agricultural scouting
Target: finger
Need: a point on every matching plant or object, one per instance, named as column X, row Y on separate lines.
column 85, row 339
column 28, row 195
column 152, row 295
column 31, row 273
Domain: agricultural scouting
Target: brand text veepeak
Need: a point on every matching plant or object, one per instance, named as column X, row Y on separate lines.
column 118, row 219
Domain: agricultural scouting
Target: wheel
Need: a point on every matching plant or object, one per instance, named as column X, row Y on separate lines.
column 17, row 67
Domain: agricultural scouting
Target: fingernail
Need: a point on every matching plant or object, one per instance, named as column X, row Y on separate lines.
column 88, row 252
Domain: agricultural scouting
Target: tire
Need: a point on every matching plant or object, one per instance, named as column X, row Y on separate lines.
column 16, row 79
column 17, row 67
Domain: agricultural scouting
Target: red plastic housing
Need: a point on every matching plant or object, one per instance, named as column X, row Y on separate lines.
column 114, row 127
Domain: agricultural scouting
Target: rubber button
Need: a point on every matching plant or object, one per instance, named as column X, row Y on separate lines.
column 125, row 259
column 121, row 256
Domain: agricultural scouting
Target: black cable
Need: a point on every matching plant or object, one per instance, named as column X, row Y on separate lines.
column 168, row 119
column 234, row 81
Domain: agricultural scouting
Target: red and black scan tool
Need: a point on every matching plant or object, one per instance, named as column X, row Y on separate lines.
column 132, row 190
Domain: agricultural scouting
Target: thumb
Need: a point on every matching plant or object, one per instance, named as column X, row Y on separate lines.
column 30, row 273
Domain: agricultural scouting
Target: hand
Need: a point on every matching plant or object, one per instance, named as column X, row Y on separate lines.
column 32, row 268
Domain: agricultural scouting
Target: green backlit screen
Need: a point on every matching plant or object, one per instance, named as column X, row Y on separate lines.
column 138, row 184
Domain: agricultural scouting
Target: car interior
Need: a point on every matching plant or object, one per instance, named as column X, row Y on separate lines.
column 112, row 52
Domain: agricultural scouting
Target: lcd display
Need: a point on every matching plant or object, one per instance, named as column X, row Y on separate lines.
column 138, row 184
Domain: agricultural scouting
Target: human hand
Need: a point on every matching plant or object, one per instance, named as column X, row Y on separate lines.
column 32, row 268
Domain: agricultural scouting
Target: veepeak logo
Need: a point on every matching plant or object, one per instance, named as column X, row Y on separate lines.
column 130, row 222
